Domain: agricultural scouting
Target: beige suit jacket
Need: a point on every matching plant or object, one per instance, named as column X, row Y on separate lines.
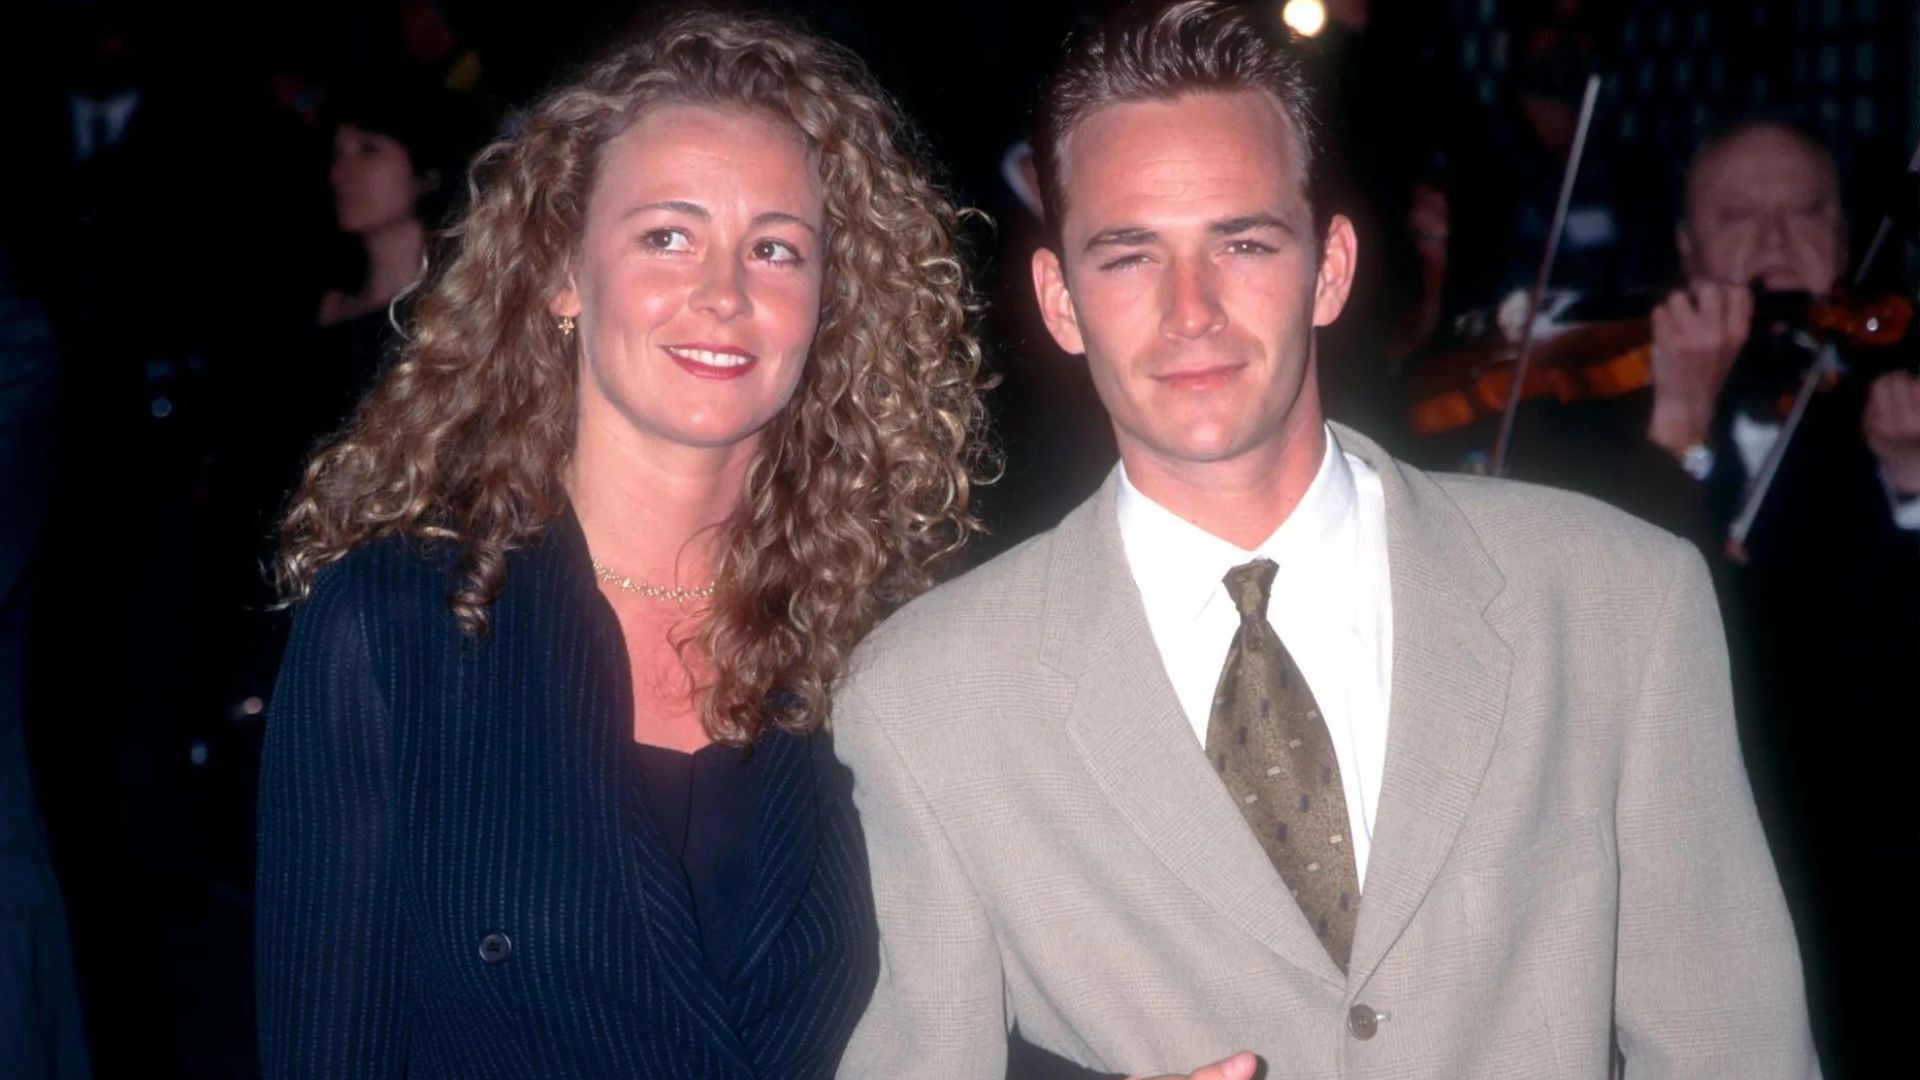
column 1566, row 854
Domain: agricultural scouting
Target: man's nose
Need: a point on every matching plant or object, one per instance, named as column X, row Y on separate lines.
column 1192, row 301
column 1774, row 231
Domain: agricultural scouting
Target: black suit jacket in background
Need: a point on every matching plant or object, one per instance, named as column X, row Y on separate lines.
column 457, row 874
column 40, row 1030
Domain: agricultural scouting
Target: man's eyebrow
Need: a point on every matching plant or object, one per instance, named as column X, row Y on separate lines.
column 1122, row 236
column 1234, row 226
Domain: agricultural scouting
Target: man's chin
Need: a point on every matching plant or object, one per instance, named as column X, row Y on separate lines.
column 1195, row 446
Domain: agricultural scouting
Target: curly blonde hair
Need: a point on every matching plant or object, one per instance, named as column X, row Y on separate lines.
column 859, row 487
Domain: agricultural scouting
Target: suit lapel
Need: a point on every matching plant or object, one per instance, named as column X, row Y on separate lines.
column 1128, row 728
column 1449, row 695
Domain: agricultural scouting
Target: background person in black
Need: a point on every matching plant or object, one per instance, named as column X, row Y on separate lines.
column 40, row 1029
column 1826, row 610
column 397, row 151
column 1828, row 602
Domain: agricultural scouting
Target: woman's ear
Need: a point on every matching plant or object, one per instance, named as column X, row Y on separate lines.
column 566, row 302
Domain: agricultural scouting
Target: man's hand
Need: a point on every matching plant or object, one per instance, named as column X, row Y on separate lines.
column 1891, row 424
column 1698, row 332
column 1240, row 1066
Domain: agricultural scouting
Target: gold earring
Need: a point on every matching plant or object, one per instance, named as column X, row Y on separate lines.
column 565, row 323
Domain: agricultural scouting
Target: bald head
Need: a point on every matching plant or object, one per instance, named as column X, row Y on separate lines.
column 1763, row 204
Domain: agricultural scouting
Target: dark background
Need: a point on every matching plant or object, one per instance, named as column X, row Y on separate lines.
column 168, row 287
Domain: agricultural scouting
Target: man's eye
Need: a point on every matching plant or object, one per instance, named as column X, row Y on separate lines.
column 666, row 240
column 1138, row 258
column 1250, row 247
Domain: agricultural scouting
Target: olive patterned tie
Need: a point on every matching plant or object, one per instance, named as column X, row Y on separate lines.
column 1276, row 758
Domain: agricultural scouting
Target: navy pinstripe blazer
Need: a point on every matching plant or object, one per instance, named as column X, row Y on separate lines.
column 457, row 876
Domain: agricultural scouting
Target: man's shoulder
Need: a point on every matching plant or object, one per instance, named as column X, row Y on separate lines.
column 1520, row 526
column 1532, row 530
column 998, row 595
column 990, row 618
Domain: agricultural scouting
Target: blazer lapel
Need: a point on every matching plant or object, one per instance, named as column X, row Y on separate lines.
column 649, row 877
column 1128, row 728
column 1449, row 695
column 785, row 839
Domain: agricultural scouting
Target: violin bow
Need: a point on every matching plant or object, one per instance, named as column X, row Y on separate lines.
column 1827, row 361
column 1503, row 441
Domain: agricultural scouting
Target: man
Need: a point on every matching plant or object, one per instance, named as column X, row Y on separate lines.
column 1762, row 207
column 1825, row 613
column 1275, row 744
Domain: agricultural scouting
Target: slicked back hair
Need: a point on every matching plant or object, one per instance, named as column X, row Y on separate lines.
column 1155, row 51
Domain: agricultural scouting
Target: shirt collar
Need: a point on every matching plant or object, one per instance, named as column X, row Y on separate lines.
column 1178, row 566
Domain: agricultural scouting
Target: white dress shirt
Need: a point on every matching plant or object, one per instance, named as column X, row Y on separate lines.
column 99, row 123
column 1330, row 604
column 1754, row 440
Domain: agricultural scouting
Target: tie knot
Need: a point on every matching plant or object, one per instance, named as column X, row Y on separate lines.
column 1248, row 584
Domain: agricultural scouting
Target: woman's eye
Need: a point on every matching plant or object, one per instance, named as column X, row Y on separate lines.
column 669, row 240
column 776, row 251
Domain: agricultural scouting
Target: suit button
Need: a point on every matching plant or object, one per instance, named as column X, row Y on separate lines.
column 1363, row 1022
column 495, row 947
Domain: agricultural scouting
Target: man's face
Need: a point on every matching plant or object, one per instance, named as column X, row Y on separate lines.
column 1189, row 277
column 1764, row 206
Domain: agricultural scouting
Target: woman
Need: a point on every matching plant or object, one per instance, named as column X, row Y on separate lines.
column 688, row 407
column 394, row 147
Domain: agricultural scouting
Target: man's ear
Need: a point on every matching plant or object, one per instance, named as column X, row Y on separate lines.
column 1056, row 304
column 1338, row 255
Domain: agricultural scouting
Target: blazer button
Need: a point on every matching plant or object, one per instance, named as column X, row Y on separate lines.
column 495, row 947
column 1363, row 1022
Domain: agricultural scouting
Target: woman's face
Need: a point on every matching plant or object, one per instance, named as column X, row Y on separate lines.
column 374, row 185
column 697, row 285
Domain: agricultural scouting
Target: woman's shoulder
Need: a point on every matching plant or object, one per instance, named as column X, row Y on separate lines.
column 831, row 780
column 391, row 581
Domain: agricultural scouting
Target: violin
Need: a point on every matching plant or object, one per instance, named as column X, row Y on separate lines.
column 1608, row 358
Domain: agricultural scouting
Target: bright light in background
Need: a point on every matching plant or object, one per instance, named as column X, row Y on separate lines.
column 1307, row 17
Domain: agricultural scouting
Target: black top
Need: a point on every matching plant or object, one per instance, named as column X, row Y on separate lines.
column 703, row 804
column 458, row 874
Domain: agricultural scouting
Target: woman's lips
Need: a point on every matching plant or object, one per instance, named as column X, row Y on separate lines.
column 712, row 361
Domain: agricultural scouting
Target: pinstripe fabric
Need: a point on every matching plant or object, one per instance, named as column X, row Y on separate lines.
column 1566, row 857
column 421, row 791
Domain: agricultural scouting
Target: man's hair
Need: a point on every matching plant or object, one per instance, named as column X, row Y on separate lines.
column 1718, row 139
column 1155, row 51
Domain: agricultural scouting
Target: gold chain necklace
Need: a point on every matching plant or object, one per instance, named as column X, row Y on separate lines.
column 677, row 594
